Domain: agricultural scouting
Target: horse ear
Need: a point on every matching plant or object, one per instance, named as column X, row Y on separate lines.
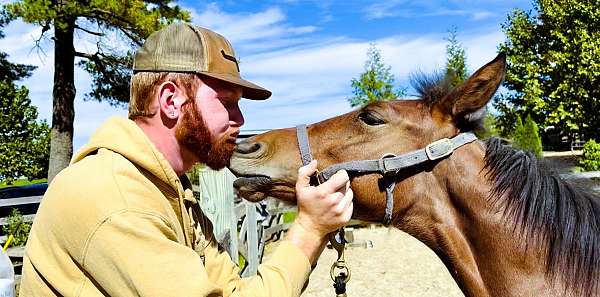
column 464, row 102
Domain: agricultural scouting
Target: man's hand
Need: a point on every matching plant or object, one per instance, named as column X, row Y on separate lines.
column 321, row 210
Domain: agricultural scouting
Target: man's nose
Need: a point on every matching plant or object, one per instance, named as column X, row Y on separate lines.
column 236, row 116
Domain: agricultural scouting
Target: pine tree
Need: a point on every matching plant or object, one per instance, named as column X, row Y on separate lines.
column 517, row 134
column 531, row 137
column 526, row 137
column 456, row 59
column 376, row 83
column 109, row 66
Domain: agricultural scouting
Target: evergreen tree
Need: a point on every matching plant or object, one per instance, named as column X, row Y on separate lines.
column 527, row 137
column 456, row 59
column 109, row 66
column 517, row 133
column 376, row 83
column 531, row 137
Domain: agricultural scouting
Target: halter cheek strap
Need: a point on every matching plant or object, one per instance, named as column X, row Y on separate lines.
column 388, row 165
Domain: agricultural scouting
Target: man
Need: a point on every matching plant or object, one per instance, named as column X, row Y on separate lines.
column 121, row 220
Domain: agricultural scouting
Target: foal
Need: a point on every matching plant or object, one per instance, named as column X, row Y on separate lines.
column 500, row 223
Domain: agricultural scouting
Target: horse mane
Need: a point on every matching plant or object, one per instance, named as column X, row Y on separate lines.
column 433, row 87
column 560, row 218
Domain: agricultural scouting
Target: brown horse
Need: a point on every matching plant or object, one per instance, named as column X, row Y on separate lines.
column 499, row 222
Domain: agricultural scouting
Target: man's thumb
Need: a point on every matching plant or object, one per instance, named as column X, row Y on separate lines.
column 304, row 174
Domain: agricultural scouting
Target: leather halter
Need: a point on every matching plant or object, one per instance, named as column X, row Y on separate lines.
column 388, row 165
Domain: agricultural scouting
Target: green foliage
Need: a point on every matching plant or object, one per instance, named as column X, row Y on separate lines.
column 24, row 142
column 590, row 161
column 489, row 127
column 456, row 59
column 194, row 173
column 376, row 83
column 23, row 182
column 103, row 20
column 289, row 217
column 526, row 137
column 553, row 55
column 517, row 132
column 16, row 225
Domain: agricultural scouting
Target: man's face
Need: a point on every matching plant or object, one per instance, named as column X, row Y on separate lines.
column 211, row 122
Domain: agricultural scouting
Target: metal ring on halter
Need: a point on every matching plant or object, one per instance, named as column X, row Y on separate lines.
column 340, row 265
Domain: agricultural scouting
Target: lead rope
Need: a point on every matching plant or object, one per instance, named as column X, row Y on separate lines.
column 337, row 238
column 338, row 243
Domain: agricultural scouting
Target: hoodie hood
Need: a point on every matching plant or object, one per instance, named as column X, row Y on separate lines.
column 123, row 136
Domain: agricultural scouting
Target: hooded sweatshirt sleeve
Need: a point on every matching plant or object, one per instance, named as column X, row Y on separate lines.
column 286, row 271
column 137, row 250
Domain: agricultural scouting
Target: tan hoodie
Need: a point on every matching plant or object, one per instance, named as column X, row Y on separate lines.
column 119, row 222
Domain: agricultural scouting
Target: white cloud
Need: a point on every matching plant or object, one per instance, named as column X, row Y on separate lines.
column 481, row 15
column 414, row 9
column 383, row 9
column 245, row 30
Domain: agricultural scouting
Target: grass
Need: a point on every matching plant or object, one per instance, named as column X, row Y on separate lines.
column 289, row 217
column 23, row 182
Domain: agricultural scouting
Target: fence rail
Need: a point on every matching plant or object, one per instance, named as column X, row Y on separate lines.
column 259, row 223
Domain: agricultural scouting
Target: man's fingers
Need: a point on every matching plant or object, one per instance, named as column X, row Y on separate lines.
column 304, row 174
column 344, row 202
column 348, row 214
column 336, row 182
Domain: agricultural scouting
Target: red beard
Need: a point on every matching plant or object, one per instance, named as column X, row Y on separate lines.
column 195, row 137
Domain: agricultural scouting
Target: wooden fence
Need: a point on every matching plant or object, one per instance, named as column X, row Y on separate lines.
column 242, row 229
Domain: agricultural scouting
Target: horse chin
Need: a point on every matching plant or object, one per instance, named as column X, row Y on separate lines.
column 252, row 188
column 257, row 188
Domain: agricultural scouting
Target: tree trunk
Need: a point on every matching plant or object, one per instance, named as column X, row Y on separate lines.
column 63, row 95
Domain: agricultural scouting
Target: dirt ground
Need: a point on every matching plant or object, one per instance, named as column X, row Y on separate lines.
column 397, row 265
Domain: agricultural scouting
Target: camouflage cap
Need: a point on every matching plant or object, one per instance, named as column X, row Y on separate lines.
column 182, row 47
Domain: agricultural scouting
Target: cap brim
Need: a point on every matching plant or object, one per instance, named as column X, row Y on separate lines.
column 249, row 90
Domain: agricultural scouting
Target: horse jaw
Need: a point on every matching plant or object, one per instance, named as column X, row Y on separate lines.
column 255, row 182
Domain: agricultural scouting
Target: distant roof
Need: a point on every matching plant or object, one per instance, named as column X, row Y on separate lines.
column 250, row 133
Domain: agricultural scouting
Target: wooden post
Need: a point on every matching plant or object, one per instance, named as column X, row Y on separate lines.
column 216, row 201
column 252, row 240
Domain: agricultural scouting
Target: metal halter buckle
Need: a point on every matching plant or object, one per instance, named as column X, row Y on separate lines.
column 381, row 163
column 444, row 143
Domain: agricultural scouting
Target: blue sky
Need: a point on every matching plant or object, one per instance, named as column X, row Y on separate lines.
column 305, row 51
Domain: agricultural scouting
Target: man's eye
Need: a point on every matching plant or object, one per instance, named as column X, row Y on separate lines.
column 370, row 119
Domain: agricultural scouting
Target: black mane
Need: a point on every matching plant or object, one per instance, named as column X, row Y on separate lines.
column 431, row 87
column 558, row 217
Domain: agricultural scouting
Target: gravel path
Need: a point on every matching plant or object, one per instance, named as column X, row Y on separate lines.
column 398, row 265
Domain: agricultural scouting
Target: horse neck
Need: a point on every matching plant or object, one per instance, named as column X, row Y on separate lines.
column 479, row 249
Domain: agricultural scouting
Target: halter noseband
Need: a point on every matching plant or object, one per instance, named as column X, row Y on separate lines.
column 388, row 165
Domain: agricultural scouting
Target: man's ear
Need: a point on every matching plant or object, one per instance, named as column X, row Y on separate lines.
column 473, row 94
column 170, row 99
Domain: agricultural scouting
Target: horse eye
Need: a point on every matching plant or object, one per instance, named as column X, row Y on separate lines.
column 370, row 119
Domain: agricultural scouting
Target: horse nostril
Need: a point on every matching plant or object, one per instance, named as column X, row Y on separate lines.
column 247, row 147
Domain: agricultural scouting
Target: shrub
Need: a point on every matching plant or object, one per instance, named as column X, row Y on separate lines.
column 590, row 161
column 527, row 137
column 16, row 225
